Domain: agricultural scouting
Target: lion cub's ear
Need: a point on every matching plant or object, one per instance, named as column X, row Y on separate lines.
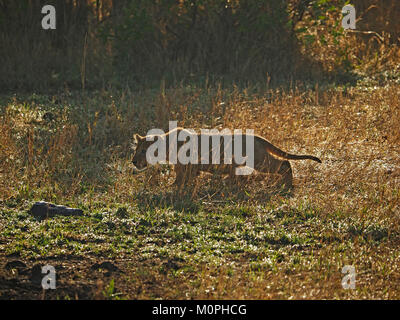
column 136, row 139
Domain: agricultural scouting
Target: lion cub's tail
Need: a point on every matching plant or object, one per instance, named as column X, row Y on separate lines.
column 282, row 154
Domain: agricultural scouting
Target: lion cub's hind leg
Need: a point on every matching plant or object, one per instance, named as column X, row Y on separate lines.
column 286, row 173
column 280, row 172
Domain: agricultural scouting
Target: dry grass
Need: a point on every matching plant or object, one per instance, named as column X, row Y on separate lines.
column 344, row 211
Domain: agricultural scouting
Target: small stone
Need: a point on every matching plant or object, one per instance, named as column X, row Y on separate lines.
column 42, row 209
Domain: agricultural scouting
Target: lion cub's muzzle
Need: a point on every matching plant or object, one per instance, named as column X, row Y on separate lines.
column 138, row 167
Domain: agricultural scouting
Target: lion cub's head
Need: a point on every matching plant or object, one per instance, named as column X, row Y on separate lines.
column 139, row 147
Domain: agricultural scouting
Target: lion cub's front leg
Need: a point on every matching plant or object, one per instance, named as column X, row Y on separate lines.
column 285, row 170
column 185, row 174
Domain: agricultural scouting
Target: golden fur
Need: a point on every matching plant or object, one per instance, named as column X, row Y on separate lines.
column 267, row 159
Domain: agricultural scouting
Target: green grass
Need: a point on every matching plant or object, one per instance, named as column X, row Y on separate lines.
column 239, row 240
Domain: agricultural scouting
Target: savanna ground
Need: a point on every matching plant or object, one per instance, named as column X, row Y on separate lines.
column 140, row 238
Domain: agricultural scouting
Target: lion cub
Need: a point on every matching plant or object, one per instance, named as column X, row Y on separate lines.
column 267, row 158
